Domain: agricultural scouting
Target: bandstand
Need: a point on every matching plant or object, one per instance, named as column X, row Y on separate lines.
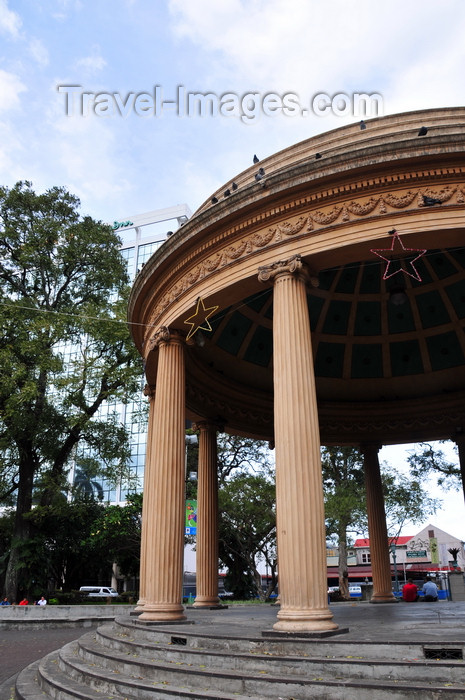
column 318, row 297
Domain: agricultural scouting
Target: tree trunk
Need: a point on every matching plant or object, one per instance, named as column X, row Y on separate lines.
column 22, row 526
column 342, row 566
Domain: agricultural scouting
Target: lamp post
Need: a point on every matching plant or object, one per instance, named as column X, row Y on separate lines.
column 394, row 558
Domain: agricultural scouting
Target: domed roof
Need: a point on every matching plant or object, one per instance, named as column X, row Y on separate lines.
column 388, row 337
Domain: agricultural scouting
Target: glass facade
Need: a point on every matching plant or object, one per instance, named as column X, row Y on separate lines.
column 139, row 241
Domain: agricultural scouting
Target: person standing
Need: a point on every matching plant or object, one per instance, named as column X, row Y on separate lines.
column 410, row 592
column 42, row 601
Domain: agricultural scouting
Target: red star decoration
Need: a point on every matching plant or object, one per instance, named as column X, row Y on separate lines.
column 398, row 246
column 199, row 320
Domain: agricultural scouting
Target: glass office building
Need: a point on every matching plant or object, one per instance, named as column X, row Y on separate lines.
column 141, row 235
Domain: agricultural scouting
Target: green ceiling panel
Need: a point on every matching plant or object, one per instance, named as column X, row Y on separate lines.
column 371, row 279
column 405, row 358
column 337, row 317
column 260, row 348
column 456, row 294
column 443, row 266
column 258, row 301
column 329, row 360
column 315, row 304
column 400, row 318
column 234, row 333
column 368, row 318
column 423, row 272
column 347, row 280
column 444, row 351
column 367, row 361
column 432, row 310
column 459, row 256
column 326, row 279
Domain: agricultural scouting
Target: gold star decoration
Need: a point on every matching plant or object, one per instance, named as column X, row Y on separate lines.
column 398, row 247
column 199, row 320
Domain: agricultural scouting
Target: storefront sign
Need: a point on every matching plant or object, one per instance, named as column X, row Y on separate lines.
column 419, row 553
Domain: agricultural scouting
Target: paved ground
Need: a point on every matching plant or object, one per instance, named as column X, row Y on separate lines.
column 19, row 648
column 442, row 621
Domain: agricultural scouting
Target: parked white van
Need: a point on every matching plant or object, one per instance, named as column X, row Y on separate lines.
column 98, row 591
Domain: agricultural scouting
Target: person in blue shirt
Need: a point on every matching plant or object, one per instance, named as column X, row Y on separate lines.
column 5, row 601
column 430, row 590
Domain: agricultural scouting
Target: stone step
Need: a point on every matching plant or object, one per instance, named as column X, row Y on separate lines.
column 287, row 645
column 136, row 678
column 351, row 666
column 115, row 681
column 133, row 662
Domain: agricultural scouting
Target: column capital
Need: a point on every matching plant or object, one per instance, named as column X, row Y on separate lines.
column 149, row 391
column 370, row 447
column 165, row 335
column 292, row 266
column 208, row 425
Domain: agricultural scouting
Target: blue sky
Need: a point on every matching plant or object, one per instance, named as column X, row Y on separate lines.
column 411, row 54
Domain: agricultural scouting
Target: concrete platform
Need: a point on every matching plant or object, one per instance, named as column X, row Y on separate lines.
column 436, row 624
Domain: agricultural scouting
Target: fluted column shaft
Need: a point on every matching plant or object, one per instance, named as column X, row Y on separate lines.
column 299, row 491
column 379, row 550
column 149, row 391
column 165, row 514
column 207, row 518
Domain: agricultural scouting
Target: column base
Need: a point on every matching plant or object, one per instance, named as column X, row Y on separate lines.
column 317, row 620
column 206, row 602
column 217, row 606
column 386, row 598
column 316, row 634
column 162, row 613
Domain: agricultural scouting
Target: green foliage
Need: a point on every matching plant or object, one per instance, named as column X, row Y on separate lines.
column 118, row 532
column 58, row 551
column 247, row 530
column 428, row 461
column 65, row 350
column 405, row 499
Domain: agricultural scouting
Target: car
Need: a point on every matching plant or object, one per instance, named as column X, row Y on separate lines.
column 355, row 591
column 98, row 592
column 333, row 589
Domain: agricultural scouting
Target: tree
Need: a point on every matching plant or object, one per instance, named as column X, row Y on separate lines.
column 237, row 453
column 427, row 461
column 118, row 532
column 65, row 349
column 247, row 527
column 345, row 501
column 343, row 483
column 247, row 531
column 59, row 552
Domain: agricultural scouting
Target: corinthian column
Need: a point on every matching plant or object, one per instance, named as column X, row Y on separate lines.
column 207, row 519
column 299, row 490
column 149, row 391
column 379, row 549
column 164, row 517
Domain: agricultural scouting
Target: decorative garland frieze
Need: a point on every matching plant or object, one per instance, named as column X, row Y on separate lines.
column 388, row 426
column 311, row 223
column 212, row 404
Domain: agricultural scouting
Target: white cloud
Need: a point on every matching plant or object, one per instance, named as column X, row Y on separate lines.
column 309, row 46
column 92, row 64
column 10, row 89
column 10, row 22
column 39, row 52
